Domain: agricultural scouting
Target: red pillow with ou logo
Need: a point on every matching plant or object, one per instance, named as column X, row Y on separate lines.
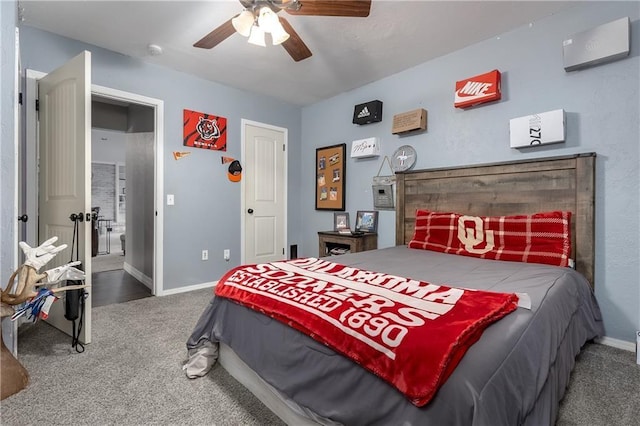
column 537, row 238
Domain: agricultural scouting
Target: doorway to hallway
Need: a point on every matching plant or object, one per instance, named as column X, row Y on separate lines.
column 123, row 139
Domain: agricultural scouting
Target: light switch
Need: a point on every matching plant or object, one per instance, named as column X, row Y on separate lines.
column 170, row 200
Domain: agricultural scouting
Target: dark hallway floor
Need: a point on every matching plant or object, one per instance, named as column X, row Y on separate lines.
column 116, row 287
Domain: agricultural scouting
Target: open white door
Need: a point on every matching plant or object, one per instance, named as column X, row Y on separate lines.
column 265, row 193
column 64, row 176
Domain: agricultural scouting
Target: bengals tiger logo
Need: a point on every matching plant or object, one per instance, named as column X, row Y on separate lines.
column 208, row 129
column 204, row 131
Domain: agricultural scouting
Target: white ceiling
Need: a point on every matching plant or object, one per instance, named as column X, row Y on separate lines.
column 347, row 52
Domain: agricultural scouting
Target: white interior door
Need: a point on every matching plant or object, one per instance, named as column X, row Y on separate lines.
column 64, row 176
column 265, row 194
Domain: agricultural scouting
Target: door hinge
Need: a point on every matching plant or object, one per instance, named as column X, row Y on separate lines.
column 284, row 147
column 283, row 251
column 37, row 104
column 20, row 98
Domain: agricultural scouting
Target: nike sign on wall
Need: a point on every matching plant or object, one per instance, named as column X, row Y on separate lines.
column 477, row 90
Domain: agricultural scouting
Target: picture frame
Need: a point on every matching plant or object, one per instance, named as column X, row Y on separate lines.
column 367, row 221
column 341, row 221
column 330, row 167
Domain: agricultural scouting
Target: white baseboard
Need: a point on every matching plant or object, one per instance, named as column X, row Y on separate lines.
column 188, row 288
column 617, row 343
column 147, row 281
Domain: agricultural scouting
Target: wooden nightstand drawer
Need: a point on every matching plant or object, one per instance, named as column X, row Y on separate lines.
column 331, row 242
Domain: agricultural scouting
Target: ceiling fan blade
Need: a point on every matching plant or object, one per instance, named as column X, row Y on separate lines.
column 294, row 44
column 356, row 8
column 216, row 36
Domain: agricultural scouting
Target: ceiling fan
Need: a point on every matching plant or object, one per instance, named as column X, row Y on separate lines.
column 259, row 17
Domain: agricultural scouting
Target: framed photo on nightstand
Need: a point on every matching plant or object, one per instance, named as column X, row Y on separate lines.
column 367, row 221
column 341, row 222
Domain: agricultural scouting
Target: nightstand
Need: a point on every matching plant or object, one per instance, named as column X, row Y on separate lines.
column 332, row 242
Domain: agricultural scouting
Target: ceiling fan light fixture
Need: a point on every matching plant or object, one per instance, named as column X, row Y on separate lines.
column 257, row 36
column 243, row 22
column 279, row 35
column 260, row 16
column 268, row 20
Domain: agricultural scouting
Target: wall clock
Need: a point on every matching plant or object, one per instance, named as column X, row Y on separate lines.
column 403, row 158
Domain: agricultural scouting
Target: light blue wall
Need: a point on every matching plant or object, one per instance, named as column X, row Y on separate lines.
column 602, row 106
column 206, row 214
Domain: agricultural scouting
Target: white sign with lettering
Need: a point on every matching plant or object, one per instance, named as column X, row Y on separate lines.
column 363, row 148
column 537, row 129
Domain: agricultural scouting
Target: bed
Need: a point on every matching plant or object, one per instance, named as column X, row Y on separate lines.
column 518, row 370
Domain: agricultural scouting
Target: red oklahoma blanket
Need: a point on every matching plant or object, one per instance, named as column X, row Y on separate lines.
column 410, row 333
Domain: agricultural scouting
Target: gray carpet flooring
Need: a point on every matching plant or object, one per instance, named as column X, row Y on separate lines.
column 604, row 389
column 132, row 375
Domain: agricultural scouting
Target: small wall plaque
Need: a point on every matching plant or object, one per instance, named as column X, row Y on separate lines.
column 382, row 197
column 409, row 121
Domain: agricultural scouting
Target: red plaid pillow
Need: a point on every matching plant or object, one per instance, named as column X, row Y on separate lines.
column 537, row 238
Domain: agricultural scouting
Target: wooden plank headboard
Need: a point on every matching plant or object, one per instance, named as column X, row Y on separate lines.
column 498, row 189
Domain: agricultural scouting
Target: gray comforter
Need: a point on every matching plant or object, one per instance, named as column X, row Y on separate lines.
column 515, row 374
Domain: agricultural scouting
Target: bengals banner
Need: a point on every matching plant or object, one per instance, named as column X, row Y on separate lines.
column 408, row 332
column 205, row 131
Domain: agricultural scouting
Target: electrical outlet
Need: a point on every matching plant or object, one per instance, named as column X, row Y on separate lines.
column 227, row 254
column 205, row 254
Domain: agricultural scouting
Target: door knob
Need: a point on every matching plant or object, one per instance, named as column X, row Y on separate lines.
column 77, row 217
column 23, row 218
column 250, row 211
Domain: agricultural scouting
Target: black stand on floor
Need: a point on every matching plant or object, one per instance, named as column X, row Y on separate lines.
column 107, row 224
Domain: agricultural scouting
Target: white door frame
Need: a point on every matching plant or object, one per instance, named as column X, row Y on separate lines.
column 106, row 92
column 10, row 330
column 244, row 122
